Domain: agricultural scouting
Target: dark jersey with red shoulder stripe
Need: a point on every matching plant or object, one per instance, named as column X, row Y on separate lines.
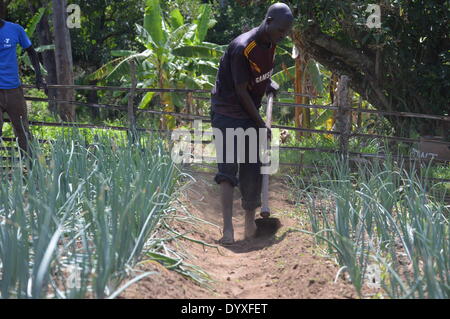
column 244, row 61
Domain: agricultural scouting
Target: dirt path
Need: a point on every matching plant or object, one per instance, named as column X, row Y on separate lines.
column 283, row 265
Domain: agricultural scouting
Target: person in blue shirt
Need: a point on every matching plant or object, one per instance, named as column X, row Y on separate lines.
column 12, row 100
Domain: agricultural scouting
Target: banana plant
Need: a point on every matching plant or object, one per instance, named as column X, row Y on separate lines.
column 30, row 29
column 175, row 56
column 286, row 77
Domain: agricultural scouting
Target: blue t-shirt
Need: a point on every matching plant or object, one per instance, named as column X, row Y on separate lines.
column 11, row 34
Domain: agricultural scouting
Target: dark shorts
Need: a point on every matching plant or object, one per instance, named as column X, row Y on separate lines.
column 244, row 173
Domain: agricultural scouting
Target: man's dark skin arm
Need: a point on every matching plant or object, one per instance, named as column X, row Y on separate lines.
column 247, row 102
column 40, row 83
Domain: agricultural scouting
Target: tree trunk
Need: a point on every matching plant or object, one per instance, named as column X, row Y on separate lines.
column 3, row 9
column 190, row 106
column 343, row 101
column 92, row 97
column 63, row 57
column 333, row 86
column 359, row 120
column 302, row 114
column 306, row 118
column 131, row 110
column 45, row 38
column 298, row 99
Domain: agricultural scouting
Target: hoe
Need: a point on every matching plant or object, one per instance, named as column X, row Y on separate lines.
column 267, row 225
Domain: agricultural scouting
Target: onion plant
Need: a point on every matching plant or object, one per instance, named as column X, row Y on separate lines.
column 74, row 221
column 384, row 214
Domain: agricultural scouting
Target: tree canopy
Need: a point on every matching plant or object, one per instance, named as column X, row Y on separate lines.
column 404, row 65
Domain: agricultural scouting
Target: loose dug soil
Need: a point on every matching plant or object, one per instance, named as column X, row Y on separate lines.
column 281, row 265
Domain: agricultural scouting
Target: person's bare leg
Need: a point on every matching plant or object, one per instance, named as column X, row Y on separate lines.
column 250, row 225
column 226, row 190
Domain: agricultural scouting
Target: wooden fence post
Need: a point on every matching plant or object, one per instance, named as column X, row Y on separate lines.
column 131, row 109
column 360, row 114
column 298, row 98
column 344, row 114
column 446, row 131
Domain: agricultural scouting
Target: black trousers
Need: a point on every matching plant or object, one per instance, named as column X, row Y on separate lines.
column 246, row 172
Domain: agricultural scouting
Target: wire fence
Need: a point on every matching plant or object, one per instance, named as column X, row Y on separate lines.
column 192, row 117
column 344, row 114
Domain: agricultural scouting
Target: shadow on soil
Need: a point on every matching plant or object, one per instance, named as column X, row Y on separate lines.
column 264, row 237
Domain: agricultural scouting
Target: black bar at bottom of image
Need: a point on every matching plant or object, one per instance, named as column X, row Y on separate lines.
column 220, row 308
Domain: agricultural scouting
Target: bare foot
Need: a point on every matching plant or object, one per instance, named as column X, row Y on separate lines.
column 227, row 239
column 250, row 228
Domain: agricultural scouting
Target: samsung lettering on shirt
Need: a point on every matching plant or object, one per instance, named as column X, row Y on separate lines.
column 11, row 35
column 264, row 76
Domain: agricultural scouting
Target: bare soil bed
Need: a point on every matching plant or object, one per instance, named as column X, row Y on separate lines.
column 284, row 264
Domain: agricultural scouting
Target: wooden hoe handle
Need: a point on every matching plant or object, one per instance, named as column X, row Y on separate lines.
column 265, row 210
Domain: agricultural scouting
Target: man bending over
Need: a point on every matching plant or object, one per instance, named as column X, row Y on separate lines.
column 243, row 78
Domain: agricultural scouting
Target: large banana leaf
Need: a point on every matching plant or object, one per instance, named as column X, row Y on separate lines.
column 31, row 27
column 197, row 51
column 146, row 100
column 207, row 67
column 189, row 82
column 153, row 22
column 284, row 76
column 118, row 67
column 105, row 70
column 215, row 46
column 281, row 51
column 144, row 38
column 323, row 117
column 210, row 81
column 43, row 48
column 313, row 71
column 122, row 52
column 203, row 22
column 176, row 19
column 179, row 35
column 201, row 82
column 189, row 37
